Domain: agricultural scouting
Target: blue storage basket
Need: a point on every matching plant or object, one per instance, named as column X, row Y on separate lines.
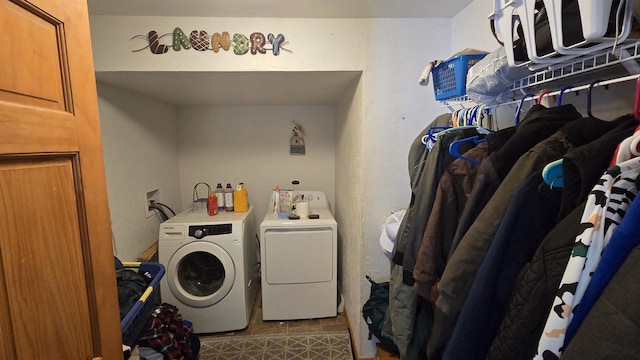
column 450, row 77
column 132, row 324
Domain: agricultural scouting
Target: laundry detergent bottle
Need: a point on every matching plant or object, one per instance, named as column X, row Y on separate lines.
column 228, row 198
column 220, row 197
column 240, row 202
column 212, row 204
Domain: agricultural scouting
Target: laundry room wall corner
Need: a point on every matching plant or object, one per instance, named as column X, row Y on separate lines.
column 348, row 209
column 371, row 151
column 139, row 146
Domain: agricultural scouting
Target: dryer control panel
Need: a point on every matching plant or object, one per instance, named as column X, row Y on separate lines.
column 317, row 199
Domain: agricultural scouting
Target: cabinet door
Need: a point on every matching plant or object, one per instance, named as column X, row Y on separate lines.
column 58, row 295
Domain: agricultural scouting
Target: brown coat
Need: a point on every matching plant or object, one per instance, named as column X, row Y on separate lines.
column 453, row 191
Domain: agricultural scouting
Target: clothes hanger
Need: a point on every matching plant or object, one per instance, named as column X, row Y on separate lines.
column 486, row 118
column 452, row 129
column 435, row 130
column 462, row 117
column 628, row 149
column 634, row 146
column 541, row 96
column 472, row 115
column 636, row 101
column 459, row 117
column 429, row 140
column 517, row 117
column 430, row 136
column 552, row 174
column 559, row 99
column 454, row 148
column 589, row 95
column 480, row 116
column 477, row 120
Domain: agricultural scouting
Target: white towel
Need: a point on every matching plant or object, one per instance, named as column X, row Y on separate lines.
column 424, row 77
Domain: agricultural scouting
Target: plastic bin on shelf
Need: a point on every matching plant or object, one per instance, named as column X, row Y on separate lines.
column 593, row 24
column 450, row 77
column 506, row 18
column 572, row 28
column 133, row 322
column 538, row 32
column 516, row 22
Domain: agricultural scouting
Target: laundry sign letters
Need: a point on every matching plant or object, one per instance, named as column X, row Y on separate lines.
column 200, row 40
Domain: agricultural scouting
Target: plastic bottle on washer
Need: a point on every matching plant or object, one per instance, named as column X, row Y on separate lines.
column 220, row 196
column 212, row 204
column 228, row 198
column 240, row 202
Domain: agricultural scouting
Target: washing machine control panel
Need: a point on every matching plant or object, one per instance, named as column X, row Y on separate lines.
column 200, row 231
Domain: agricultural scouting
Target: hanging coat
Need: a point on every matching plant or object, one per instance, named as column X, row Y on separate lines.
column 467, row 258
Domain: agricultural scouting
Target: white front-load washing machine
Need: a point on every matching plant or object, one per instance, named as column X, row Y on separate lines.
column 299, row 263
column 212, row 271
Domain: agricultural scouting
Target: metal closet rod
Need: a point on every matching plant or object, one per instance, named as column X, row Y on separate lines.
column 578, row 88
column 544, row 93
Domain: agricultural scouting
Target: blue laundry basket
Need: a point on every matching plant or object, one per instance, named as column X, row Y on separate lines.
column 134, row 321
column 450, row 77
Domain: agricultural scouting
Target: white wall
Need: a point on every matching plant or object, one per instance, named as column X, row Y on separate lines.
column 396, row 109
column 375, row 125
column 470, row 28
column 250, row 144
column 140, row 152
column 350, row 186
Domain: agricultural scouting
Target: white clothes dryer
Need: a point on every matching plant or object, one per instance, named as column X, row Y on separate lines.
column 211, row 267
column 299, row 263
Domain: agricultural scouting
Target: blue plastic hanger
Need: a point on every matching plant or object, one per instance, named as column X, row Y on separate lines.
column 430, row 138
column 552, row 174
column 431, row 133
column 559, row 99
column 454, row 148
column 472, row 115
column 517, row 117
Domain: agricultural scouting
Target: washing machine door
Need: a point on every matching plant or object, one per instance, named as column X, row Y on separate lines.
column 200, row 274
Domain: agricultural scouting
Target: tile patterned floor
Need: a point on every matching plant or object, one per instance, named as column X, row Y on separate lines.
column 309, row 346
column 321, row 339
column 257, row 326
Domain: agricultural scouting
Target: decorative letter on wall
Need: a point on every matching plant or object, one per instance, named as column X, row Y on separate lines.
column 154, row 44
column 199, row 42
column 276, row 41
column 240, row 44
column 257, row 43
column 220, row 41
column 180, row 40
